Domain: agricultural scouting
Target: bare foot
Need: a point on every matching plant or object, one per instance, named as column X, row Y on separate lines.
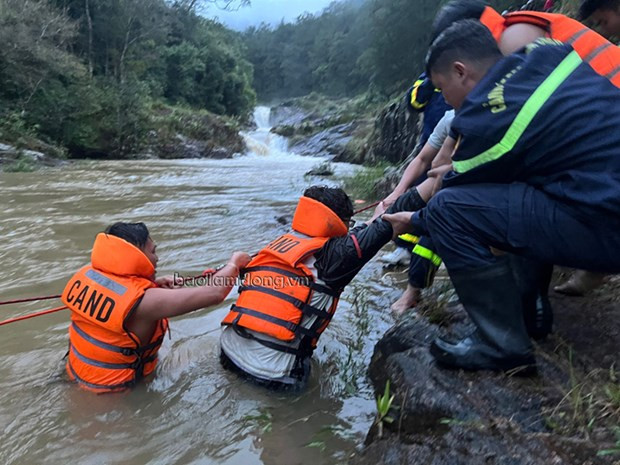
column 409, row 299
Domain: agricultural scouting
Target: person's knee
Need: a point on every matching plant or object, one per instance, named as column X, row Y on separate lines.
column 439, row 208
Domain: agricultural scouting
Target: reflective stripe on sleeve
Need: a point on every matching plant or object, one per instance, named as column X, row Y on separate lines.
column 524, row 117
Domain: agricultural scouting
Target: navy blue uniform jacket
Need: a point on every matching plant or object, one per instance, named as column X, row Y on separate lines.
column 543, row 117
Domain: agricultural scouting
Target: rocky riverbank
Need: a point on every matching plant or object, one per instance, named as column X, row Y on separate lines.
column 175, row 132
column 347, row 130
column 568, row 414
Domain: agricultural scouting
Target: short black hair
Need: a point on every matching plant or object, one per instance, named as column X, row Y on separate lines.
column 464, row 40
column 134, row 233
column 588, row 7
column 333, row 197
column 454, row 11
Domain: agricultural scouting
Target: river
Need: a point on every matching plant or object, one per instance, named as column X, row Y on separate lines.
column 193, row 411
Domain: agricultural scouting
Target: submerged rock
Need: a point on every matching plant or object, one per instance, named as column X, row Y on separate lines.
column 321, row 170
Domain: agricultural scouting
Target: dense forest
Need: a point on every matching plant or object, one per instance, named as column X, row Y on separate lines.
column 89, row 75
column 86, row 74
column 353, row 47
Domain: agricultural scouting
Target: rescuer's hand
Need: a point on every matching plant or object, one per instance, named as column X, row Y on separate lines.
column 379, row 210
column 401, row 222
column 241, row 259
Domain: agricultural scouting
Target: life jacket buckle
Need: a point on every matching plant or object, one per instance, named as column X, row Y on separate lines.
column 128, row 351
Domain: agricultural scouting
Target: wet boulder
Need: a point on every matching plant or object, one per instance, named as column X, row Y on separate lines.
column 450, row 417
column 395, row 134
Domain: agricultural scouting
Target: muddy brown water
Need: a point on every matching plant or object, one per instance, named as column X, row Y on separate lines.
column 192, row 411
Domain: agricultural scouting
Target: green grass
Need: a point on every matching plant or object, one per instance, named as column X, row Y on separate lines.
column 361, row 185
column 589, row 400
column 21, row 165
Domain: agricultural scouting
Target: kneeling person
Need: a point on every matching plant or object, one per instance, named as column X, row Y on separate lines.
column 290, row 290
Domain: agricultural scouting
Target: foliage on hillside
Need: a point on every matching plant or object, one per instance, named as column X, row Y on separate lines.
column 84, row 74
column 375, row 46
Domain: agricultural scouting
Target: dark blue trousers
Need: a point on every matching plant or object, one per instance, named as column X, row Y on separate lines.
column 465, row 221
column 424, row 264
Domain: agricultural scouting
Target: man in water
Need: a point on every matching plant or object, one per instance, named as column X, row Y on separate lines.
column 120, row 310
column 290, row 290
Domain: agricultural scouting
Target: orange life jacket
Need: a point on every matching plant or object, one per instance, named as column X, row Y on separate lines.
column 593, row 48
column 278, row 287
column 104, row 355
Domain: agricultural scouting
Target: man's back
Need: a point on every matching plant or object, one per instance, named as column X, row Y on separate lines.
column 543, row 117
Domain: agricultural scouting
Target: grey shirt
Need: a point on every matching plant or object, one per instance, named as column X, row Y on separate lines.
column 442, row 130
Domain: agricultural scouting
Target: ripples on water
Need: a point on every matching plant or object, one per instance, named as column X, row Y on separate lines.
column 192, row 412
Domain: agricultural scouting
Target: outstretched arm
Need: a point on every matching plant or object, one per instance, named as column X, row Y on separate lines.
column 159, row 303
column 341, row 258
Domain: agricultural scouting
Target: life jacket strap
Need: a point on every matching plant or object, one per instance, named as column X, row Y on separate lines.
column 153, row 345
column 97, row 363
column 103, row 387
column 256, row 314
column 299, row 352
column 104, row 345
column 307, row 309
column 325, row 290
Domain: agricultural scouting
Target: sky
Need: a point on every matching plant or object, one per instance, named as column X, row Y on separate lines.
column 268, row 11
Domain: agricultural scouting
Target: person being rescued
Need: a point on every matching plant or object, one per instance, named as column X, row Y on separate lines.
column 120, row 310
column 290, row 291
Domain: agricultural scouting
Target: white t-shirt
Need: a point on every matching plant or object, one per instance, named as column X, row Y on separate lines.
column 442, row 130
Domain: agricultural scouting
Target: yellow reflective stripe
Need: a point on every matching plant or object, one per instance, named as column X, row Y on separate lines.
column 428, row 254
column 409, row 238
column 524, row 117
column 414, row 95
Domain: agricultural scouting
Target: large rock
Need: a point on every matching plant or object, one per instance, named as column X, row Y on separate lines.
column 395, row 134
column 447, row 417
column 329, row 142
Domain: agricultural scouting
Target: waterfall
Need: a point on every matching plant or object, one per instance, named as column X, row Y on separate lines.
column 261, row 141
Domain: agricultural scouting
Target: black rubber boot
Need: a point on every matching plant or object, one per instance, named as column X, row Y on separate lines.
column 533, row 279
column 410, row 201
column 500, row 341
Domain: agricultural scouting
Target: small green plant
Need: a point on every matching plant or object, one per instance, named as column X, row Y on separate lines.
column 384, row 404
column 20, row 165
column 263, row 420
column 589, row 400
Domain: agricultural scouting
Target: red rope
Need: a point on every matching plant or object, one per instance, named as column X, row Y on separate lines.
column 372, row 205
column 31, row 315
column 206, row 273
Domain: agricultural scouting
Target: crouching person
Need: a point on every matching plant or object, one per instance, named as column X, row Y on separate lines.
column 120, row 310
column 290, row 291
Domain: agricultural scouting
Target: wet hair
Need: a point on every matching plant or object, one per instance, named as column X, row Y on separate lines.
column 333, row 197
column 454, row 11
column 134, row 233
column 466, row 40
column 588, row 7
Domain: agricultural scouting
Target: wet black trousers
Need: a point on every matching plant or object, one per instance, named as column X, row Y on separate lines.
column 464, row 221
